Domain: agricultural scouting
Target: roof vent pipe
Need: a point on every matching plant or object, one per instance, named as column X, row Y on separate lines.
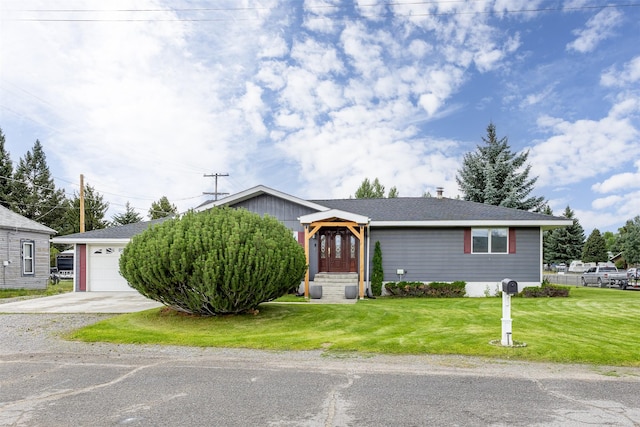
column 439, row 191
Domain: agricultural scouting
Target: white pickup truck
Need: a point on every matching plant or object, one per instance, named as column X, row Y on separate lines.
column 604, row 276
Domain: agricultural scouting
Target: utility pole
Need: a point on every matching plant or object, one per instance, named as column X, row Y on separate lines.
column 216, row 193
column 81, row 203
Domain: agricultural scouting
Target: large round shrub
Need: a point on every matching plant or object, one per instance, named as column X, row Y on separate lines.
column 215, row 262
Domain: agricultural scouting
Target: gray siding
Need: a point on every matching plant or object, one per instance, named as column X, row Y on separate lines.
column 11, row 251
column 284, row 210
column 438, row 255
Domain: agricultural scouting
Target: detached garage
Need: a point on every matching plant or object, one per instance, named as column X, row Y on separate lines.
column 97, row 255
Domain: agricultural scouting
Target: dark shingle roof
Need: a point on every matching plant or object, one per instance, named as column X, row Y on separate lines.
column 431, row 209
column 118, row 232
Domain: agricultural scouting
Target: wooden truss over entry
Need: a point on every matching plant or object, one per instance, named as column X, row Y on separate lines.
column 356, row 224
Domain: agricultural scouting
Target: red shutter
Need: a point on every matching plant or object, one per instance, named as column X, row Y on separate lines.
column 82, row 268
column 512, row 240
column 467, row 240
column 301, row 238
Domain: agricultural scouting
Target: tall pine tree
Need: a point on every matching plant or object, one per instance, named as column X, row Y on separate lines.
column 6, row 175
column 563, row 245
column 595, row 248
column 130, row 216
column 496, row 176
column 95, row 208
column 34, row 193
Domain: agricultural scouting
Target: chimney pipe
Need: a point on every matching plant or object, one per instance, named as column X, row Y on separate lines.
column 439, row 191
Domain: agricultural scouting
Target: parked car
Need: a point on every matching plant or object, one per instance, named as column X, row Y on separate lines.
column 633, row 278
column 604, row 276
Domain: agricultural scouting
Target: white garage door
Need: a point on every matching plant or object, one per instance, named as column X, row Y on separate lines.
column 103, row 269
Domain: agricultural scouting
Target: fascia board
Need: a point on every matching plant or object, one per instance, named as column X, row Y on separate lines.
column 331, row 213
column 256, row 191
column 474, row 223
column 79, row 241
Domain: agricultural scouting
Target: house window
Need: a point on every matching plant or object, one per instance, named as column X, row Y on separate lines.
column 28, row 257
column 490, row 240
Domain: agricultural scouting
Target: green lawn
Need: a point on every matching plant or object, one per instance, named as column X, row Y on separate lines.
column 596, row 326
column 62, row 287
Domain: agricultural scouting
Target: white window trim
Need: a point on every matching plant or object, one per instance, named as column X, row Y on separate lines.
column 25, row 258
column 489, row 232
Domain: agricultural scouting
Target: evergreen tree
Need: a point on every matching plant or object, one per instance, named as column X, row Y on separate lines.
column 6, row 175
column 130, row 216
column 162, row 208
column 185, row 264
column 95, row 209
column 375, row 190
column 34, row 193
column 563, row 245
column 595, row 248
column 495, row 176
column 629, row 241
column 377, row 273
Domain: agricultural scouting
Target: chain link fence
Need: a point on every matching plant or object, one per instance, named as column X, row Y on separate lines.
column 564, row 279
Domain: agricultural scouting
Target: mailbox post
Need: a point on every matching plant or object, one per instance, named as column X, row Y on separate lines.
column 509, row 287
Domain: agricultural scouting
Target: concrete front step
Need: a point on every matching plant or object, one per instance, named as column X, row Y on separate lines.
column 333, row 286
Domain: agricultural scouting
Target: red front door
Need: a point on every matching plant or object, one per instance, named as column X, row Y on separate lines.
column 338, row 251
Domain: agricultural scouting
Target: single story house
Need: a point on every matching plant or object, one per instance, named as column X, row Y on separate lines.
column 25, row 248
column 422, row 239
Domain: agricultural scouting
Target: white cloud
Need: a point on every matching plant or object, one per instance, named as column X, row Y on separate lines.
column 272, row 46
column 619, row 182
column 597, row 29
column 584, row 148
column 629, row 74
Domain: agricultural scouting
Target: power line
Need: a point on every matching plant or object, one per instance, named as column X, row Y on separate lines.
column 225, row 19
column 216, row 175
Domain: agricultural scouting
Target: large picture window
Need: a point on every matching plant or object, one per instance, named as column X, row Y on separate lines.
column 490, row 240
column 28, row 257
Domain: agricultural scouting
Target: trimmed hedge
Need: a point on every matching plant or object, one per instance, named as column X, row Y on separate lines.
column 545, row 291
column 430, row 290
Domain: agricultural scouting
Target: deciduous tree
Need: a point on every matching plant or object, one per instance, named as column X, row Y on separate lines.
column 162, row 208
column 629, row 241
column 374, row 190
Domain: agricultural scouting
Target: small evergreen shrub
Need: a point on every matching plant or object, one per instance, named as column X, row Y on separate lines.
column 221, row 261
column 430, row 290
column 377, row 273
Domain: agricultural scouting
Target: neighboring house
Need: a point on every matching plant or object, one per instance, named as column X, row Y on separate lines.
column 422, row 239
column 24, row 245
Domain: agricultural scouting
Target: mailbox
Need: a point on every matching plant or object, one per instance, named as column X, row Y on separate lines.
column 509, row 286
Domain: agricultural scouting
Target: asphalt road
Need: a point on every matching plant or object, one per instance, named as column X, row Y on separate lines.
column 45, row 381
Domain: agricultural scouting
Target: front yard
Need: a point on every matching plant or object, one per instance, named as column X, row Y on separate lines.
column 595, row 326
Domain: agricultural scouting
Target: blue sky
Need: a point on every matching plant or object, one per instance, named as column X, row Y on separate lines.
column 311, row 97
